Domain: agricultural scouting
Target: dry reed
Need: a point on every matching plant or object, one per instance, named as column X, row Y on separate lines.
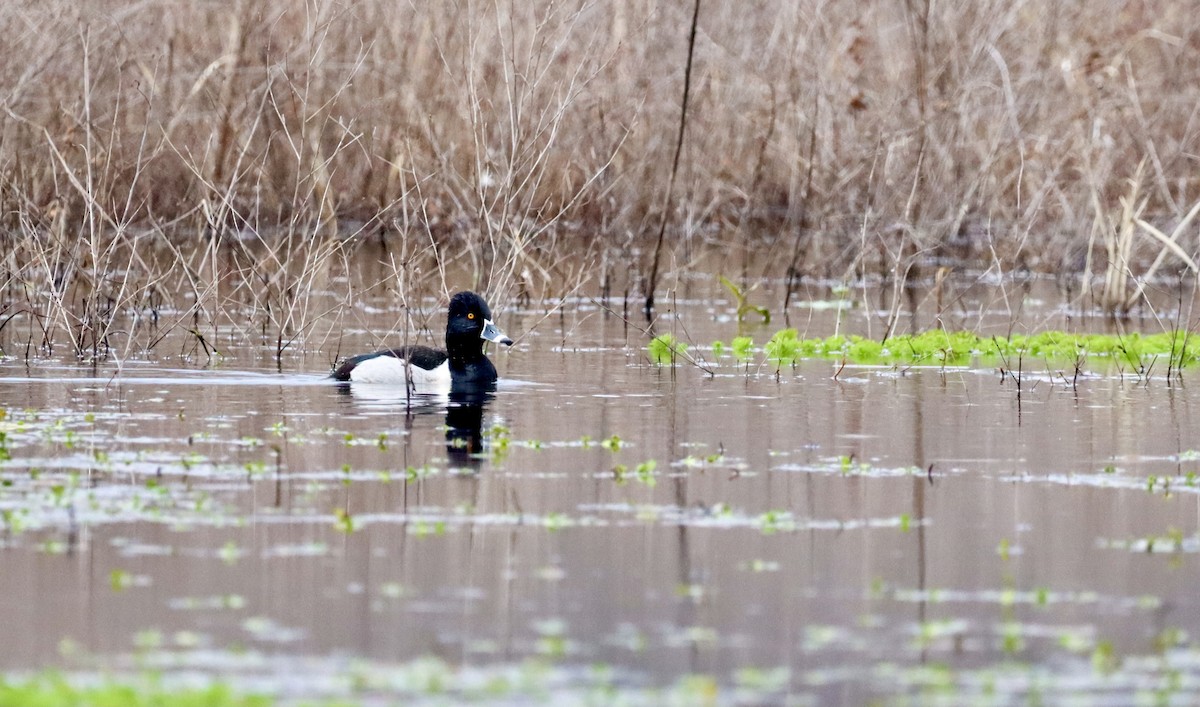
column 232, row 154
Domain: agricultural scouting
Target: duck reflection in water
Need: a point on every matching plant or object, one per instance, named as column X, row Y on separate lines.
column 463, row 408
column 464, row 427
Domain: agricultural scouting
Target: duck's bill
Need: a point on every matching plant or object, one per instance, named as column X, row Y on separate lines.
column 492, row 333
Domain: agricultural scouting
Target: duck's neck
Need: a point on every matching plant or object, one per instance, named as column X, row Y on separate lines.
column 468, row 366
column 463, row 351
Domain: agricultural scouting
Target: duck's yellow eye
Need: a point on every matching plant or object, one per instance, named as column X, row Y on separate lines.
column 470, row 315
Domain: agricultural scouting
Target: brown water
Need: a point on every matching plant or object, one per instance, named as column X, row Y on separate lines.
column 921, row 534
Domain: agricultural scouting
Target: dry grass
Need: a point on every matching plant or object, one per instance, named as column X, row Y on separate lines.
column 254, row 143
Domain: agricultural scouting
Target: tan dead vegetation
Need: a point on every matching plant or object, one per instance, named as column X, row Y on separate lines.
column 214, row 154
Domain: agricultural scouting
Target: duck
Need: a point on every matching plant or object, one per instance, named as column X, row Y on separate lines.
column 461, row 365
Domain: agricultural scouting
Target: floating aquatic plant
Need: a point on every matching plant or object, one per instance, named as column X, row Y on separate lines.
column 742, row 347
column 53, row 689
column 664, row 349
column 744, row 307
column 963, row 348
column 784, row 347
column 645, row 472
column 120, row 580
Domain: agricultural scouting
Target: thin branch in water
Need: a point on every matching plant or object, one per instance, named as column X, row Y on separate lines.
column 652, row 280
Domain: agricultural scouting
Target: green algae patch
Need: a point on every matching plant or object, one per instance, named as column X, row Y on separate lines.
column 1134, row 351
column 53, row 690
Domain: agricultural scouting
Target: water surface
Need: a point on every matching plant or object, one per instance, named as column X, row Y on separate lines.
column 603, row 526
